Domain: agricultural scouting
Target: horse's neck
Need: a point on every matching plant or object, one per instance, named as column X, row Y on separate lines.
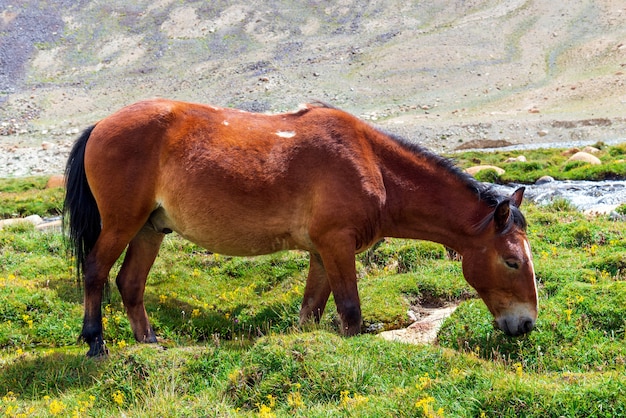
column 430, row 202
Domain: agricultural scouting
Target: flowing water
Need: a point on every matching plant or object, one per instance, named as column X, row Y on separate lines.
column 588, row 196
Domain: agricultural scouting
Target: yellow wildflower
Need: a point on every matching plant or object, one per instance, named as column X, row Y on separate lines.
column 265, row 411
column 348, row 401
column 345, row 395
column 424, row 382
column 235, row 376
column 56, row 407
column 425, row 405
column 9, row 397
column 118, row 397
column 294, row 400
column 519, row 370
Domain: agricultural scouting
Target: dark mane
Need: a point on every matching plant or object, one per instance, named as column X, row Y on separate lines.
column 484, row 191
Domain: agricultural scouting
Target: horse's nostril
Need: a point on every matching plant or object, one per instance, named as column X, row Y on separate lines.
column 526, row 326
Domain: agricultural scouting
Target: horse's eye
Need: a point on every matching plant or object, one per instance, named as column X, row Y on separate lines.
column 514, row 264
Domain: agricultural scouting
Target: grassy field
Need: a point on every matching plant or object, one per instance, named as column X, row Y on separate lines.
column 231, row 346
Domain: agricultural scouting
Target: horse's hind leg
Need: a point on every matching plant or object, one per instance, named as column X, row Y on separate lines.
column 131, row 280
column 98, row 263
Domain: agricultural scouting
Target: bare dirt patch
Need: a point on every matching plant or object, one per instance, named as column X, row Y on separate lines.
column 424, row 330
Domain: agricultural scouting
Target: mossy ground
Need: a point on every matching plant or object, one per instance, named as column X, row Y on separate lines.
column 230, row 344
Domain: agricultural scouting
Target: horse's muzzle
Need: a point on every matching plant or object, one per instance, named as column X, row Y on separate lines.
column 514, row 326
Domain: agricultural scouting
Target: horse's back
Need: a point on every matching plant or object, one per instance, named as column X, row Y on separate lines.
column 232, row 181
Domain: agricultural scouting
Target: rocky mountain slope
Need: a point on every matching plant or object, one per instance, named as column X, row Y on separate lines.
column 443, row 72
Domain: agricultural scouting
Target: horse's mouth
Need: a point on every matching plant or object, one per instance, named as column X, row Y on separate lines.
column 515, row 327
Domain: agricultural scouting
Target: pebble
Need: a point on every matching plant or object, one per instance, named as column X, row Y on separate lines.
column 45, row 145
column 46, row 158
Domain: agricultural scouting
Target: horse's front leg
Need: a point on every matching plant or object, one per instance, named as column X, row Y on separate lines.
column 338, row 260
column 316, row 291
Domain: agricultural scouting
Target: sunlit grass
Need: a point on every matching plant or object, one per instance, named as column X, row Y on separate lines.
column 547, row 162
column 230, row 344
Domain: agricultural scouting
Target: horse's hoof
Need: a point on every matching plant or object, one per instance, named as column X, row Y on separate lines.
column 98, row 351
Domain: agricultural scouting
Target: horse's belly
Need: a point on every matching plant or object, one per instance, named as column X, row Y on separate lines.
column 243, row 243
column 238, row 237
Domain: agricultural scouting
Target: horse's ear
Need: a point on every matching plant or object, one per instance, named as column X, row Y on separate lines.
column 502, row 214
column 517, row 196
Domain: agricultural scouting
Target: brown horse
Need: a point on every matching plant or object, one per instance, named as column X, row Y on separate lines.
column 243, row 184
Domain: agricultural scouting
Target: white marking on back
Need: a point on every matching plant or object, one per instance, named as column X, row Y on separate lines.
column 301, row 107
column 286, row 134
column 225, row 123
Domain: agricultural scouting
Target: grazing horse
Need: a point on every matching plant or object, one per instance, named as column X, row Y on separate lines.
column 243, row 184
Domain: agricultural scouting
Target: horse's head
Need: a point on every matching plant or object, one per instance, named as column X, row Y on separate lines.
column 500, row 268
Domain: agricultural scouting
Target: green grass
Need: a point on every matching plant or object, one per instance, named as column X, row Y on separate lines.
column 27, row 196
column 231, row 345
column 546, row 162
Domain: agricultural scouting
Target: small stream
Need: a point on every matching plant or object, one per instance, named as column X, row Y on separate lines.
column 587, row 196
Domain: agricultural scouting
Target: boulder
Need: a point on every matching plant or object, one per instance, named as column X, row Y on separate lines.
column 56, row 180
column 33, row 219
column 518, row 159
column 591, row 150
column 544, row 180
column 586, row 158
column 570, row 152
column 53, row 226
column 478, row 168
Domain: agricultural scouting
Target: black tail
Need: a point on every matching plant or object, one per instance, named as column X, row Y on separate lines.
column 80, row 205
